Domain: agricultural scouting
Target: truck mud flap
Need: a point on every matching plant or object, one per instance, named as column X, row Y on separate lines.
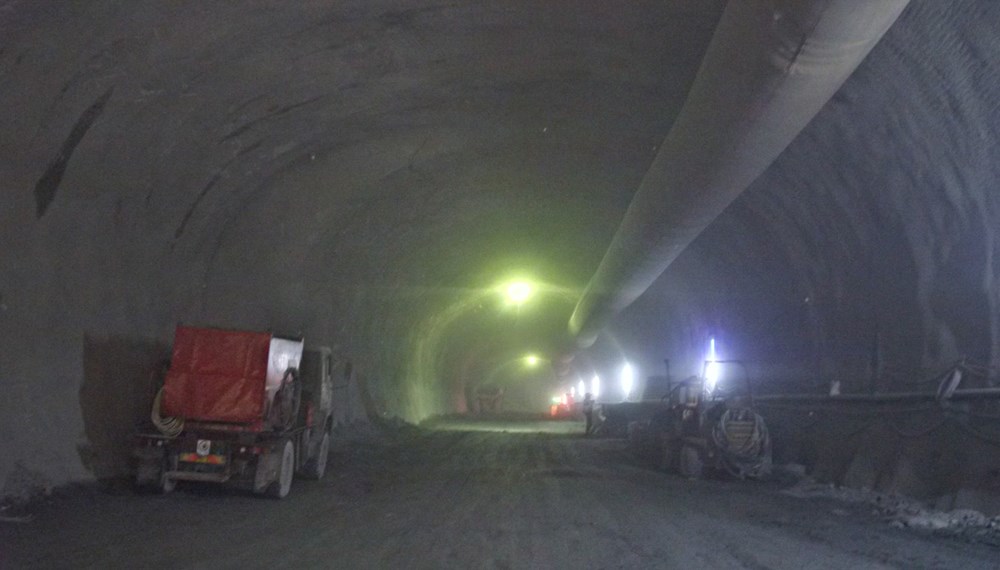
column 268, row 465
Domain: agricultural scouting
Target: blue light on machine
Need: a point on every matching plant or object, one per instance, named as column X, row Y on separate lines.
column 712, row 368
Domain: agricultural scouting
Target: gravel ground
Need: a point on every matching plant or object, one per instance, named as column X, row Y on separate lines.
column 477, row 495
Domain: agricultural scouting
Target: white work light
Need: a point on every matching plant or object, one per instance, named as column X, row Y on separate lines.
column 628, row 380
column 711, row 367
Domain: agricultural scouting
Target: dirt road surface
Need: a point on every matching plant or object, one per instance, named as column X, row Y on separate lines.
column 476, row 495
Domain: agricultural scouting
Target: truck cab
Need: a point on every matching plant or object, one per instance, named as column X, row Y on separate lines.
column 316, row 375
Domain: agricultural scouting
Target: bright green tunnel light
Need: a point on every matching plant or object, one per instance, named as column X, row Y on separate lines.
column 518, row 292
column 531, row 360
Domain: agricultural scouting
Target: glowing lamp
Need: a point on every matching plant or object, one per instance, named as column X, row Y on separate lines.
column 518, row 292
column 711, row 367
column 628, row 380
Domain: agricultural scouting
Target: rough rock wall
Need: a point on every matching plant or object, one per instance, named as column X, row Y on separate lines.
column 942, row 455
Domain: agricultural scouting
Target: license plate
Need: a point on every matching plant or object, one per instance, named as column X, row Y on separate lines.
column 204, row 447
column 209, row 459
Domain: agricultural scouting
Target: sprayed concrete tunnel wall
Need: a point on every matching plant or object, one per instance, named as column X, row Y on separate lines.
column 359, row 173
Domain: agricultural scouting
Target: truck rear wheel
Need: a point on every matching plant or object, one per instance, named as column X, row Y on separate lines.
column 280, row 488
column 315, row 468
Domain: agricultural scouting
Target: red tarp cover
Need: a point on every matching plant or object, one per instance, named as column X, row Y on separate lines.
column 217, row 375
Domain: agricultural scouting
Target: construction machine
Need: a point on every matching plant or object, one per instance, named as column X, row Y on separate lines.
column 700, row 427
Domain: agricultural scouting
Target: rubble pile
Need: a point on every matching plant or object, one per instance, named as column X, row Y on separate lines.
column 904, row 512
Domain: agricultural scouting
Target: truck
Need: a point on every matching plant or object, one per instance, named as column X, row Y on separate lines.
column 245, row 409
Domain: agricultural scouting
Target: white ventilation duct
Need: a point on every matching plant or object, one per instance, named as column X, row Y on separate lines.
column 769, row 69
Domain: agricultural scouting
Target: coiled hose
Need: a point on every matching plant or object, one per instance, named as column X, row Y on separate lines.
column 170, row 427
column 741, row 437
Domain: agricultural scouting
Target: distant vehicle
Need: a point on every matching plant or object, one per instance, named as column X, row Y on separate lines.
column 489, row 399
column 563, row 407
column 245, row 409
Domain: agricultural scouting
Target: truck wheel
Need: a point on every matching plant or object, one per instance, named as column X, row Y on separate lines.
column 316, row 467
column 280, row 488
column 691, row 465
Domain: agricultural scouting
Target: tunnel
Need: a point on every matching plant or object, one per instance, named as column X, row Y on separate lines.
column 486, row 211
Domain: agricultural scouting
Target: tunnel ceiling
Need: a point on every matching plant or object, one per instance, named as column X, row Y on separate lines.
column 399, row 147
column 359, row 172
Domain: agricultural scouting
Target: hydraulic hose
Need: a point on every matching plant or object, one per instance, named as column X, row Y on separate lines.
column 170, row 427
column 741, row 436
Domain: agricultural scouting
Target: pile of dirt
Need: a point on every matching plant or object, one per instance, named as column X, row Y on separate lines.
column 905, row 512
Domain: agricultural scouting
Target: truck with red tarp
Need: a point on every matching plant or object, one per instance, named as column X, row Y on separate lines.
column 247, row 409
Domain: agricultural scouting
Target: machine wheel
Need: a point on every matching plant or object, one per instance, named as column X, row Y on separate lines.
column 691, row 464
column 280, row 488
column 315, row 468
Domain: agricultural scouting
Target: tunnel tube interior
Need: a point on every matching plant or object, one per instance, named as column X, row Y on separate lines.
column 366, row 176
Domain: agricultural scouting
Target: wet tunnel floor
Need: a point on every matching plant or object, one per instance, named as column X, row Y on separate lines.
column 476, row 495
